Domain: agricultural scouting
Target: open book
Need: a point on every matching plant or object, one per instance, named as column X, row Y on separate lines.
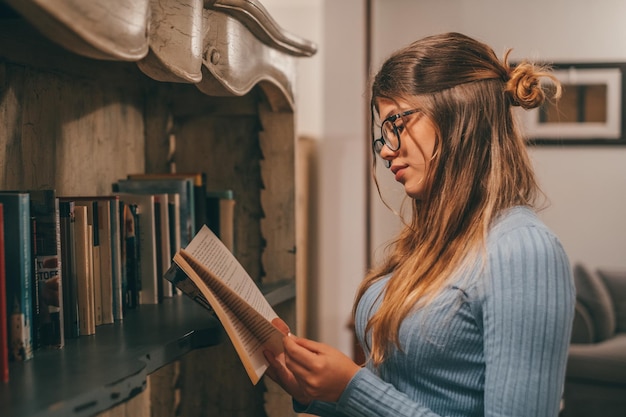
column 215, row 279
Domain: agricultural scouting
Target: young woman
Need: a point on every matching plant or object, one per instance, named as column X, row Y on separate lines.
column 471, row 313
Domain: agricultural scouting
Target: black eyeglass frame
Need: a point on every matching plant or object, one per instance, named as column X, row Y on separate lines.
column 377, row 144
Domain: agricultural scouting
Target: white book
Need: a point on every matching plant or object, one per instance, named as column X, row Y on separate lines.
column 212, row 276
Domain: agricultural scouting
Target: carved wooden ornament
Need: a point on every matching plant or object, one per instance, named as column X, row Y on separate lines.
column 225, row 47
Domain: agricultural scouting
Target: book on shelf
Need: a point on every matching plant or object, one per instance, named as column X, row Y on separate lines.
column 131, row 272
column 4, row 339
column 208, row 272
column 220, row 215
column 116, row 258
column 44, row 206
column 106, row 258
column 162, row 230
column 199, row 190
column 19, row 274
column 173, row 201
column 83, row 241
column 93, row 220
column 103, row 213
column 34, row 295
column 182, row 186
column 68, row 278
column 145, row 230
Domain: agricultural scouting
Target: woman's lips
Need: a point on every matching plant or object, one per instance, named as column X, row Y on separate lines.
column 398, row 172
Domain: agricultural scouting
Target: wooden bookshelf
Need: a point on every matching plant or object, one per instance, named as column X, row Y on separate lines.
column 78, row 116
column 94, row 373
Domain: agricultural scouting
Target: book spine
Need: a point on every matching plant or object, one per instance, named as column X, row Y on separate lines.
column 4, row 342
column 164, row 243
column 48, row 267
column 199, row 195
column 55, row 335
column 105, row 265
column 84, row 272
column 191, row 227
column 116, row 261
column 147, row 253
column 158, row 250
column 34, row 285
column 95, row 262
column 68, row 275
column 91, row 288
column 131, row 266
column 220, row 215
column 174, row 223
column 19, row 262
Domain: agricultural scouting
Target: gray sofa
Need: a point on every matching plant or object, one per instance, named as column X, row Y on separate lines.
column 595, row 383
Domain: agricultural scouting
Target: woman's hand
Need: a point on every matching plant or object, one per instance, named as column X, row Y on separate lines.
column 278, row 370
column 321, row 371
column 310, row 370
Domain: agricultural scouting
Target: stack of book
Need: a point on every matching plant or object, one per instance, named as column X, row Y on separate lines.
column 79, row 262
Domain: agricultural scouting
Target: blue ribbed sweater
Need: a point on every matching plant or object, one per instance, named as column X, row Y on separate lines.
column 493, row 343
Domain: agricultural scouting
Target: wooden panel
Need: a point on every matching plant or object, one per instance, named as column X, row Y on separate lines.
column 73, row 135
column 164, row 390
column 214, row 383
column 278, row 194
column 11, row 86
column 138, row 406
column 158, row 128
column 226, row 147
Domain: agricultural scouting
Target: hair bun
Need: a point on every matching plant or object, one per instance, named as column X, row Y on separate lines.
column 525, row 88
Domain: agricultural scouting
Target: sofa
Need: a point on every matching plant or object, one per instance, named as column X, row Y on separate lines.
column 595, row 381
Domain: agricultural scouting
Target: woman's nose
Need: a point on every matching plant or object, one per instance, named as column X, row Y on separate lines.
column 387, row 154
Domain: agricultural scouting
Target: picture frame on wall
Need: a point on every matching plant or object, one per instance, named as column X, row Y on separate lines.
column 589, row 112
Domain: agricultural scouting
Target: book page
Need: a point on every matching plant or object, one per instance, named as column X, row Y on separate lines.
column 210, row 252
column 259, row 327
column 239, row 304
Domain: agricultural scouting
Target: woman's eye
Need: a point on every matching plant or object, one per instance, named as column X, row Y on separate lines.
column 400, row 127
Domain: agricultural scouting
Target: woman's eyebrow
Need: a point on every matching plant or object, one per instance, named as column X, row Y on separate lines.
column 391, row 113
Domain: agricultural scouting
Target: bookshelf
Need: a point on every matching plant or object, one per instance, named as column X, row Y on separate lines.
column 112, row 366
column 79, row 117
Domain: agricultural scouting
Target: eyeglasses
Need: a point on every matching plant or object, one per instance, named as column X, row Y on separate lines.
column 390, row 132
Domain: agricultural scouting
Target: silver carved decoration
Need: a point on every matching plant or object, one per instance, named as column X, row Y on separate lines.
column 224, row 47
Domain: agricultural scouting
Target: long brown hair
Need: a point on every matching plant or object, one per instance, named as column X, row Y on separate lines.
column 480, row 166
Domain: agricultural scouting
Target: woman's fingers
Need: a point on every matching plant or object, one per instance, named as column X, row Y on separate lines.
column 285, row 378
column 301, row 353
column 321, row 371
column 281, row 325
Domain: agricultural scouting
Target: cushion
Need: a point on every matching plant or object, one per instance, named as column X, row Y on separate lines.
column 615, row 281
column 582, row 329
column 603, row 362
column 593, row 294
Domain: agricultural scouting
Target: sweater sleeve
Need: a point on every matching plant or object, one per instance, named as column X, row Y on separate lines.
column 527, row 313
column 369, row 396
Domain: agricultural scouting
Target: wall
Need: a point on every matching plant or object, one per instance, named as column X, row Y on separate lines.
column 586, row 185
column 331, row 112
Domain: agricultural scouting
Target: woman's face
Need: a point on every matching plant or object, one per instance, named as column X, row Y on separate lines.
column 418, row 137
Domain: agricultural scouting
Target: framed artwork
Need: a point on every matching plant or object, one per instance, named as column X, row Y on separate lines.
column 590, row 111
